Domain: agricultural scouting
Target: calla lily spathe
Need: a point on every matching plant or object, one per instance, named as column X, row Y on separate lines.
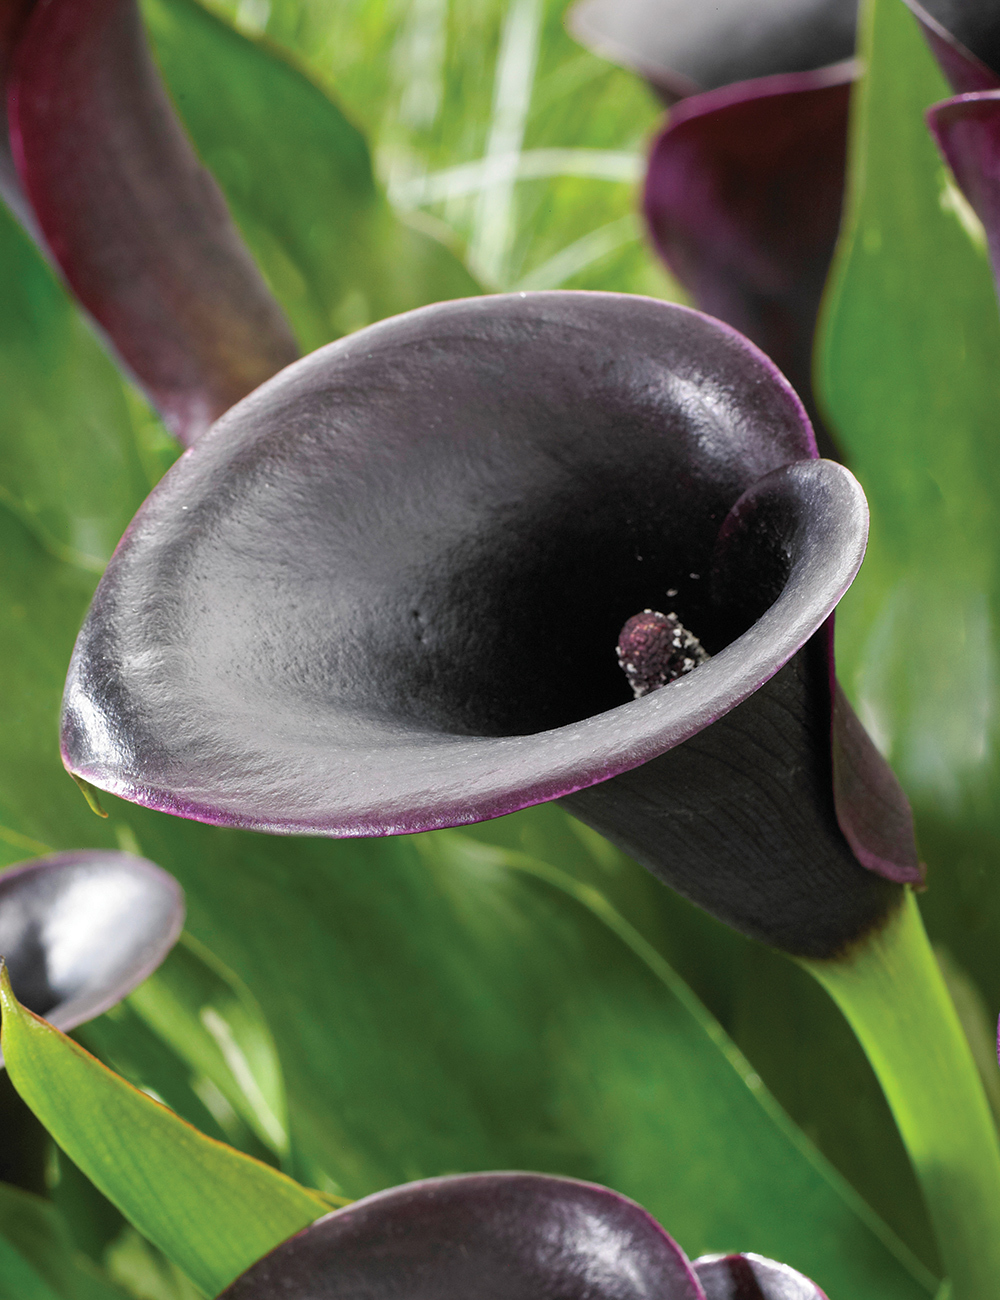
column 384, row 593
column 503, row 1236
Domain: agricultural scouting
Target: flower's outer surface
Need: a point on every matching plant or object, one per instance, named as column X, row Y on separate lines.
column 81, row 930
column 109, row 183
column 751, row 1277
column 384, row 593
column 506, row 1236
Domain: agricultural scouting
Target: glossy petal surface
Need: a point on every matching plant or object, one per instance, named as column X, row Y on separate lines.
column 81, row 930
column 492, row 1236
column 412, row 554
column 751, row 1277
column 138, row 226
column 684, row 47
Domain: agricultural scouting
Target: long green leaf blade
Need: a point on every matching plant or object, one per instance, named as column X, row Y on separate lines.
column 909, row 369
column 210, row 1209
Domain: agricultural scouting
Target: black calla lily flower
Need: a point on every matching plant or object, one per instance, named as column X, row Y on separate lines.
column 100, row 171
column 503, row 1237
column 79, row 931
column 383, row 595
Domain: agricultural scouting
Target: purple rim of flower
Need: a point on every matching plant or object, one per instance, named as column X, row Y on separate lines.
column 137, row 225
column 752, row 1277
column 383, row 595
column 79, row 931
column 497, row 1236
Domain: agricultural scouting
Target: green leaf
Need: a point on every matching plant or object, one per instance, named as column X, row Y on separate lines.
column 213, row 1022
column 18, row 1280
column 910, row 372
column 210, row 1209
column 425, row 79
column 69, row 461
column 298, row 178
column 125, row 1043
column 37, row 1257
column 434, row 1011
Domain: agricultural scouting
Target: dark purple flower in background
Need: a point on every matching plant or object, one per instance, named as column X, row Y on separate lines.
column 100, row 171
column 506, row 1236
column 745, row 184
column 79, row 931
column 384, row 595
column 965, row 39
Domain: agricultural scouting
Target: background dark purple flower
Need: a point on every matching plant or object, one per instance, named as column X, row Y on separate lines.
column 966, row 41
column 745, row 183
column 108, row 182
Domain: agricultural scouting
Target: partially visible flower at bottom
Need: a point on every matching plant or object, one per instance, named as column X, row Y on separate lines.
column 503, row 1236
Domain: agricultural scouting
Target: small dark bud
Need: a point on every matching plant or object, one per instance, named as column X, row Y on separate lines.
column 655, row 648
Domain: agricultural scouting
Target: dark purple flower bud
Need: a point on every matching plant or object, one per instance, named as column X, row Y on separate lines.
column 506, row 1236
column 137, row 225
column 745, row 183
column 965, row 38
column 751, row 1277
column 79, row 931
column 383, row 595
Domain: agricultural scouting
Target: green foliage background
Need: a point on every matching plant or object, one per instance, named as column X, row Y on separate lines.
column 518, row 995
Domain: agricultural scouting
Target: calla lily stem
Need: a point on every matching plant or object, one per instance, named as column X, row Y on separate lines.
column 893, row 995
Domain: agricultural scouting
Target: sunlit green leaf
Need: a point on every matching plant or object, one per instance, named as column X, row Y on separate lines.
column 910, row 372
column 298, row 177
column 537, row 170
column 212, row 1210
column 211, row 1019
